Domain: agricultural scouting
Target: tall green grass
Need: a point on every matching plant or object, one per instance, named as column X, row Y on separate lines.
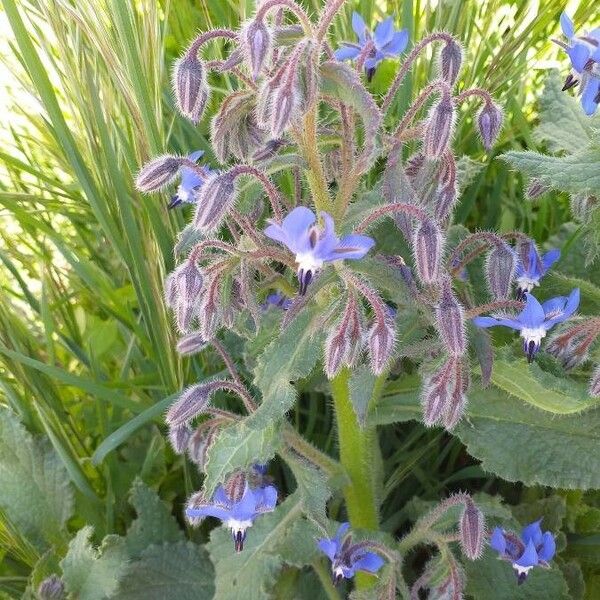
column 86, row 344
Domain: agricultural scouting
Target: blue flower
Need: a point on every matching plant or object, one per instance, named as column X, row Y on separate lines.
column 536, row 319
column 314, row 246
column 584, row 52
column 385, row 42
column 532, row 549
column 347, row 558
column 531, row 267
column 278, row 300
column 236, row 513
column 190, row 183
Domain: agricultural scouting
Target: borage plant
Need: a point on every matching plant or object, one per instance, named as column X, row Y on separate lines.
column 351, row 272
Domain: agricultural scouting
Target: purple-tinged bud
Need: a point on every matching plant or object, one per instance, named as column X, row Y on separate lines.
column 489, row 122
column 451, row 322
column 269, row 150
column 157, row 173
column 188, row 282
column 428, row 244
column 170, row 291
column 356, row 335
column 472, row 531
column 595, row 383
column 500, row 269
column 184, row 315
column 285, row 103
column 336, row 350
column 192, row 402
column 452, row 587
column 446, row 200
column 582, row 206
column 235, row 58
column 179, row 436
column 457, row 400
column 209, row 312
column 381, row 341
column 215, row 199
column 414, row 164
column 52, row 588
column 439, row 127
column 191, row 344
column 190, row 86
column 201, row 441
column 536, row 189
column 257, row 40
column 435, row 394
column 450, row 62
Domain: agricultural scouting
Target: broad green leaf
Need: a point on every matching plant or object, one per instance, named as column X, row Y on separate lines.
column 577, row 172
column 490, row 578
column 563, row 125
column 154, row 523
column 35, row 493
column 251, row 574
column 515, row 440
column 90, row 573
column 175, row 571
column 239, row 447
column 540, row 388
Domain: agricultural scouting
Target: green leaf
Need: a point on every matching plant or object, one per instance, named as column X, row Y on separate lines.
column 252, row 573
column 154, row 524
column 563, row 125
column 540, row 388
column 574, row 173
column 179, row 571
column 36, row 495
column 91, row 574
column 489, row 577
column 515, row 440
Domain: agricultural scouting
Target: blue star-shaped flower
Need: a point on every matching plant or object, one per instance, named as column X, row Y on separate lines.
column 347, row 558
column 531, row 267
column 237, row 515
column 536, row 319
column 190, row 183
column 532, row 549
column 385, row 42
column 314, row 246
column 278, row 300
column 584, row 52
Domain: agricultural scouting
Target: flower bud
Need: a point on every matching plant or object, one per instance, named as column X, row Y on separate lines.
column 381, row 340
column 192, row 402
column 190, row 86
column 284, row 104
column 184, row 315
column 190, row 344
column 257, row 41
column 170, row 291
column 489, row 122
column 427, row 247
column 472, row 531
column 202, row 439
column 209, row 313
column 457, row 400
column 536, row 189
column 500, row 268
column 336, row 350
column 595, row 383
column 157, row 173
column 451, row 322
column 439, row 127
column 188, row 282
column 179, row 436
column 450, row 62
column 582, row 206
column 435, row 394
column 52, row 588
column 445, row 201
column 355, row 335
column 216, row 197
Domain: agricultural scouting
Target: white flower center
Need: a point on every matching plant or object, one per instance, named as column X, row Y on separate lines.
column 184, row 194
column 308, row 262
column 534, row 334
column 527, row 283
column 521, row 570
column 338, row 572
column 236, row 525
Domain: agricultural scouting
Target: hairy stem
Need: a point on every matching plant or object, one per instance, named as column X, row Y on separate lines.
column 292, row 7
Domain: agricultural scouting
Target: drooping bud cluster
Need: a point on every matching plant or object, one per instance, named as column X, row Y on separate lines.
column 193, row 402
column 440, row 126
column 572, row 346
column 183, row 288
column 257, row 42
column 489, row 122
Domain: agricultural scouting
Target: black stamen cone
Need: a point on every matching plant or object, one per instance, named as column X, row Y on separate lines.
column 521, row 577
column 530, row 351
column 570, row 82
column 175, row 201
column 370, row 74
column 304, row 278
column 520, row 293
column 239, row 541
column 336, row 578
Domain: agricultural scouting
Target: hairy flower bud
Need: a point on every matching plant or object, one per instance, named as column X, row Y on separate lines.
column 536, row 189
column 595, row 383
column 188, row 282
column 445, row 201
column 190, row 86
column 489, row 122
column 439, row 127
column 500, row 268
column 210, row 313
column 184, row 315
column 285, row 101
column 428, row 245
column 202, row 439
column 192, row 402
column 52, row 588
column 381, row 340
column 451, row 322
column 216, row 197
column 336, row 350
column 257, row 40
column 434, row 397
column 190, row 344
column 355, row 335
column 472, row 531
column 157, row 173
column 450, row 61
column 170, row 291
column 457, row 400
column 582, row 206
column 179, row 436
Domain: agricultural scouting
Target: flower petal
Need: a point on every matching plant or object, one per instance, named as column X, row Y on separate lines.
column 498, row 541
column 532, row 315
column 347, row 52
column 196, row 156
column 328, row 547
column 529, row 558
column 327, row 240
column 548, row 549
column 579, row 55
column 293, row 231
column 533, row 531
column 561, row 308
column 245, row 509
column 370, row 562
column 588, row 97
column 342, row 529
column 220, row 496
column 359, row 26
column 266, row 498
column 352, row 247
column 493, row 322
column 209, row 510
column 384, row 32
column 398, row 43
column 567, row 25
column 550, row 258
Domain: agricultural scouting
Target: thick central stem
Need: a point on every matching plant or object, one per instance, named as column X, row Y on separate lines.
column 314, row 174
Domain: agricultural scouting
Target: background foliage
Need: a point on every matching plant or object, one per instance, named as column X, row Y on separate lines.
column 86, row 359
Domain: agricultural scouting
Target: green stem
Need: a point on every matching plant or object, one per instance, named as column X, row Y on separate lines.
column 315, row 174
column 358, row 449
column 325, row 579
